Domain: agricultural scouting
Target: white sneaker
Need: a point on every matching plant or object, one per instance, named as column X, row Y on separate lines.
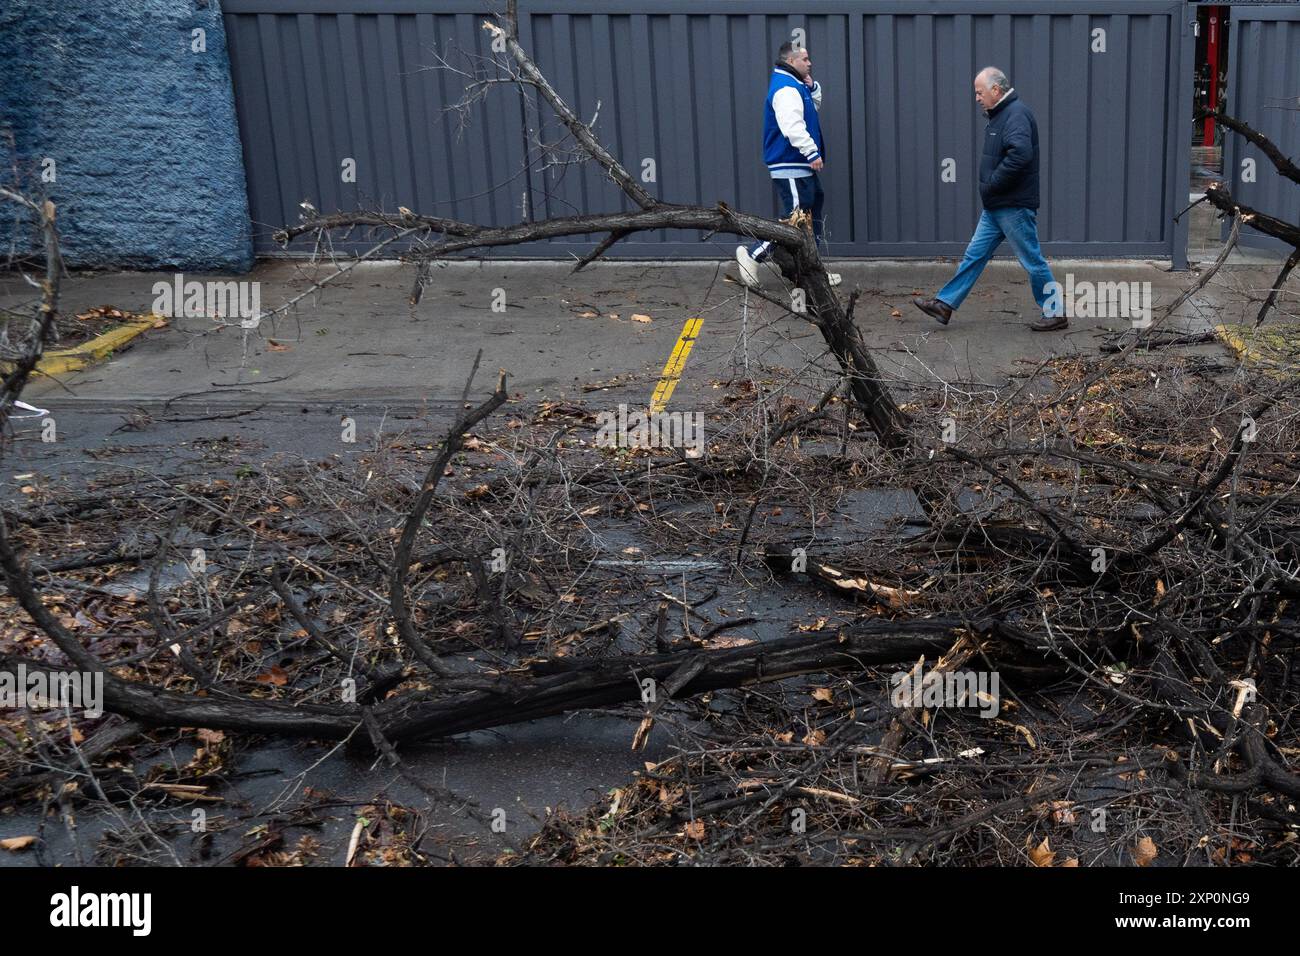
column 834, row 278
column 748, row 267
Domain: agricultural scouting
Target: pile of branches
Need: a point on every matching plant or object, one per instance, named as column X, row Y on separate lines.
column 1128, row 573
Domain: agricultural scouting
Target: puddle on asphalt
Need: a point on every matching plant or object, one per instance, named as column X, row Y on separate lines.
column 522, row 769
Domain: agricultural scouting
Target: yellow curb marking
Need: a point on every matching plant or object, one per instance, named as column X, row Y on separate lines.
column 75, row 359
column 1233, row 341
column 1276, row 348
column 672, row 372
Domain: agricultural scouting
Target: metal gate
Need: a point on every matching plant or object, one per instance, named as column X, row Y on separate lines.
column 1264, row 91
column 676, row 90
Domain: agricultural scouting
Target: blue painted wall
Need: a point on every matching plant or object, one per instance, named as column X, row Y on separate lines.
column 150, row 173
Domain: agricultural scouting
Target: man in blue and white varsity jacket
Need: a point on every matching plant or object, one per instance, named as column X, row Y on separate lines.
column 792, row 148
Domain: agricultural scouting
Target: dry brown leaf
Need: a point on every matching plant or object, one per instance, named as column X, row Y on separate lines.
column 14, row 844
column 275, row 346
column 1145, row 851
column 275, row 676
column 638, row 317
column 815, row 738
column 823, row 693
column 1063, row 811
column 1042, row 855
column 694, row 830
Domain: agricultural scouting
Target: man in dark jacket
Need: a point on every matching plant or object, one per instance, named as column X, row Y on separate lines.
column 1009, row 190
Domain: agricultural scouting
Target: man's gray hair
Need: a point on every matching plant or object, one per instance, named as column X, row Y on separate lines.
column 995, row 77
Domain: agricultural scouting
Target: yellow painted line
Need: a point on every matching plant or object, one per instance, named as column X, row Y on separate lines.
column 62, row 361
column 672, row 372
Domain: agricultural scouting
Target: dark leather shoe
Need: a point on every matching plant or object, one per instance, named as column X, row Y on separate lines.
column 941, row 311
column 1050, row 325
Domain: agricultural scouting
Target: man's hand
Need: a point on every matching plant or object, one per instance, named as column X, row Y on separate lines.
column 817, row 164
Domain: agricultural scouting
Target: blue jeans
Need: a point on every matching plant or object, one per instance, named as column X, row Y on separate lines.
column 1019, row 226
column 791, row 194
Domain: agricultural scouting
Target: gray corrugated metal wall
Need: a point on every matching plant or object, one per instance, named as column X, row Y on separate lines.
column 682, row 82
column 1263, row 86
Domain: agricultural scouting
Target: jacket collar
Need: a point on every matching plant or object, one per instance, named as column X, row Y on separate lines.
column 1008, row 97
column 787, row 69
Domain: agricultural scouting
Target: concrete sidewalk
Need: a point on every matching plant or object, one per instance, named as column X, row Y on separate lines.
column 358, row 340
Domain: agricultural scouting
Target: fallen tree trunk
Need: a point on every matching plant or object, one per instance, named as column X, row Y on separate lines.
column 545, row 688
column 562, row 686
